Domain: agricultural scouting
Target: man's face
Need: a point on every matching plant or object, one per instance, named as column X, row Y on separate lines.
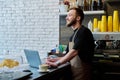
column 71, row 18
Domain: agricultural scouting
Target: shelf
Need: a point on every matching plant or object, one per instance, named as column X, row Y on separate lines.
column 108, row 56
column 94, row 12
column 86, row 13
column 106, row 35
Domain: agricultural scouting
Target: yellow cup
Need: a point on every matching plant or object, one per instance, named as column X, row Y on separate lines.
column 103, row 24
column 95, row 23
column 99, row 25
column 115, row 21
column 110, row 24
column 119, row 27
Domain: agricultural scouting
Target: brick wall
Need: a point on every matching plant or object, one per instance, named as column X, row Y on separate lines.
column 28, row 24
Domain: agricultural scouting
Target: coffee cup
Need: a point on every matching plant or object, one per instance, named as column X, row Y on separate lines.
column 43, row 67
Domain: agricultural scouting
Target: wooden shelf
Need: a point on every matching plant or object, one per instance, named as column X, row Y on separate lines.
column 86, row 13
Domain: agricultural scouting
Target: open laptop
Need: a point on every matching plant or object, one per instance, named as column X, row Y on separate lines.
column 33, row 58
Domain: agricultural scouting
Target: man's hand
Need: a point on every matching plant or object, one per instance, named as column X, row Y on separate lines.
column 53, row 64
column 52, row 59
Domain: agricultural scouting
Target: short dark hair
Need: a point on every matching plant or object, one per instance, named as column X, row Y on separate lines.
column 79, row 12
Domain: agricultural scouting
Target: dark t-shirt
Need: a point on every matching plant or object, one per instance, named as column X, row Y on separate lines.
column 84, row 43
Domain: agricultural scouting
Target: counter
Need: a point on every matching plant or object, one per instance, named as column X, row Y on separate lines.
column 106, row 66
column 62, row 72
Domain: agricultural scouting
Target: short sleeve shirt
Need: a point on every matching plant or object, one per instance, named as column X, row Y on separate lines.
column 84, row 43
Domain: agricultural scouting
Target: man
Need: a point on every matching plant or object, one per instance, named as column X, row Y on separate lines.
column 81, row 47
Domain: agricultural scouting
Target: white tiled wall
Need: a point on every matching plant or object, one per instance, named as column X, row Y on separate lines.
column 29, row 24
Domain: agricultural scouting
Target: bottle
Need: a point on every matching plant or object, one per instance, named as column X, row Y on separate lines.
column 62, row 7
column 94, row 5
column 73, row 3
column 100, row 5
column 57, row 49
column 90, row 3
column 86, row 5
column 80, row 3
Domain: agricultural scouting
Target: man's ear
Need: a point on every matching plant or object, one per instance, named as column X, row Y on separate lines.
column 78, row 18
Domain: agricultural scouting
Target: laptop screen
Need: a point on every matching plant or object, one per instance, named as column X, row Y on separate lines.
column 33, row 58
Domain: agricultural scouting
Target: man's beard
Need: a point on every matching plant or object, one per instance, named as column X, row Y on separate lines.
column 71, row 23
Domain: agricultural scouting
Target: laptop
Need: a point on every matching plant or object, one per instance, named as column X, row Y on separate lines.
column 33, row 58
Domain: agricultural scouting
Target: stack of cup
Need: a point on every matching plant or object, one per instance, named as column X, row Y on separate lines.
column 110, row 24
column 115, row 21
column 119, row 27
column 103, row 24
column 95, row 25
column 99, row 25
